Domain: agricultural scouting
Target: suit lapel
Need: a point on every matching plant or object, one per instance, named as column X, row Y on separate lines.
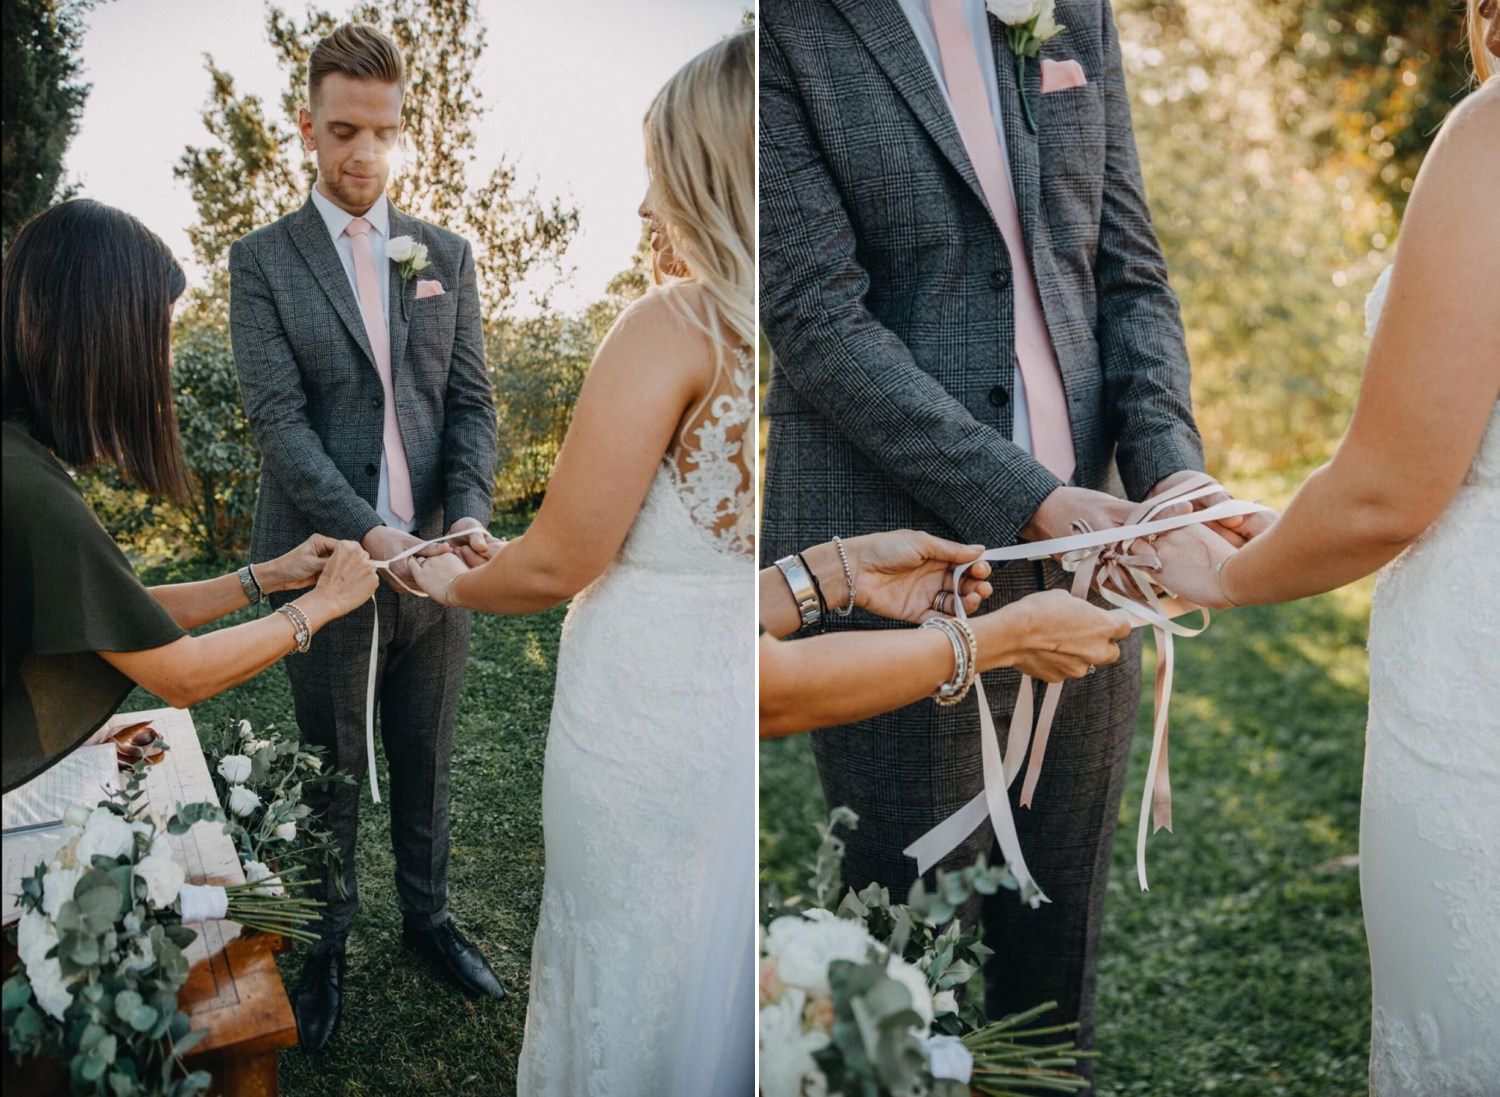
column 1020, row 142
column 310, row 235
column 398, row 306
column 882, row 27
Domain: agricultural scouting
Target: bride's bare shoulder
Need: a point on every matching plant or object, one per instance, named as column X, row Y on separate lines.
column 1468, row 146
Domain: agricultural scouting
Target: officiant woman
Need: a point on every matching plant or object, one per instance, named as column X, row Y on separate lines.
column 87, row 309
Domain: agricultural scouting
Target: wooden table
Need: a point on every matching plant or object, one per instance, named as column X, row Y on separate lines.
column 233, row 991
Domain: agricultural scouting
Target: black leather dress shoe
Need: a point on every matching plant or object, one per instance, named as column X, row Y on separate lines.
column 458, row 958
column 320, row 998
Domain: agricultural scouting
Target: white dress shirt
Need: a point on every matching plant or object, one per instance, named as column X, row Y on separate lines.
column 379, row 216
column 919, row 15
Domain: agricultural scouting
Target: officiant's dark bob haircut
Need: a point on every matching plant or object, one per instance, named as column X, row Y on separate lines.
column 358, row 52
column 87, row 312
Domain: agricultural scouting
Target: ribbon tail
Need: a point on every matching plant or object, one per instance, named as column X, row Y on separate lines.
column 1039, row 741
column 1021, row 720
column 370, row 700
column 1162, row 801
column 1158, row 745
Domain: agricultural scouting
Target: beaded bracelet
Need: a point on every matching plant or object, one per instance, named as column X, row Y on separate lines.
column 301, row 626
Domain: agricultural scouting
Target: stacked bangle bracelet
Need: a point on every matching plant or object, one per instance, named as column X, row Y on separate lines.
column 965, row 659
column 301, row 627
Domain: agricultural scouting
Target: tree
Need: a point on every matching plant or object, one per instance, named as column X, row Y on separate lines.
column 43, row 101
column 1372, row 80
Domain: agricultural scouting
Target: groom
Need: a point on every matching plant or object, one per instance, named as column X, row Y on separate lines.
column 364, row 382
column 972, row 331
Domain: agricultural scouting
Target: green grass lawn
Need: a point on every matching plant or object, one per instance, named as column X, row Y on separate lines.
column 1243, row 971
column 403, row 1030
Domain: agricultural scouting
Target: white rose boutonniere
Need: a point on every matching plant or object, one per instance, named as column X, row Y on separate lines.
column 409, row 256
column 1029, row 25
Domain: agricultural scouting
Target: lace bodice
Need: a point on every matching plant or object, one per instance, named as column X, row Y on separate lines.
column 699, row 515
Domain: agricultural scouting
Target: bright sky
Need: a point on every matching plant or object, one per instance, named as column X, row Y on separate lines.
column 566, row 84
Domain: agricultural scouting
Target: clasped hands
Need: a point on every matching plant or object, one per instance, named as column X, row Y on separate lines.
column 439, row 562
column 1189, row 557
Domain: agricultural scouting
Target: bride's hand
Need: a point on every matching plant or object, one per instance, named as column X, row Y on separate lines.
column 1189, row 557
column 899, row 574
column 434, row 573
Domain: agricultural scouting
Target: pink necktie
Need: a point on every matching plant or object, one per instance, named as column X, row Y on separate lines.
column 1051, row 434
column 370, row 307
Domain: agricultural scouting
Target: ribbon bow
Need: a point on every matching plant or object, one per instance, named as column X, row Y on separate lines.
column 1121, row 565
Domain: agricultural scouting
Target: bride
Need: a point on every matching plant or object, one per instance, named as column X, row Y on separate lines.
column 642, row 972
column 1416, row 481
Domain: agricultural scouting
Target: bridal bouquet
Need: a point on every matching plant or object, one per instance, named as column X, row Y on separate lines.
column 101, row 942
column 866, row 999
column 262, row 780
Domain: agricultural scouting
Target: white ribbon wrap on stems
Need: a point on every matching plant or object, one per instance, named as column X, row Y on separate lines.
column 1088, row 553
column 202, row 903
column 385, row 565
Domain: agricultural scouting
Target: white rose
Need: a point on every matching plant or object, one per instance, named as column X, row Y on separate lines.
column 104, row 835
column 76, row 815
column 419, row 258
column 944, row 1001
column 242, row 800
column 34, row 938
column 57, row 888
column 398, row 249
column 234, row 768
column 245, row 729
column 164, row 878
column 787, row 1068
column 256, row 871
column 948, row 1058
column 803, row 947
column 1046, row 23
column 287, row 831
column 1014, row 13
column 916, row 983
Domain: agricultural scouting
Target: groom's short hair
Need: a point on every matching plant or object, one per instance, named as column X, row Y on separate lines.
column 359, row 52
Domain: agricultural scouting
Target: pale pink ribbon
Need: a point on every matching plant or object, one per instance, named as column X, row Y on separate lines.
column 1110, row 562
column 385, row 565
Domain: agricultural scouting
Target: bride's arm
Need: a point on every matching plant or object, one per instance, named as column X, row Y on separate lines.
column 1429, row 387
column 650, row 368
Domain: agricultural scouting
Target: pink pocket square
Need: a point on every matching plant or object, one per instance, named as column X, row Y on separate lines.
column 426, row 287
column 1061, row 75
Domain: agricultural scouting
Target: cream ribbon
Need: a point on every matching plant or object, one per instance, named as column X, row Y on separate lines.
column 375, row 644
column 202, row 903
column 1109, row 562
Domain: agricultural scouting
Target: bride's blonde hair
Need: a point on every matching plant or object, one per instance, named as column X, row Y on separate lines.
column 700, row 152
column 1484, row 63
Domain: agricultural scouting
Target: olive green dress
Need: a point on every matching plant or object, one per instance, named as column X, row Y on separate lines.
column 69, row 593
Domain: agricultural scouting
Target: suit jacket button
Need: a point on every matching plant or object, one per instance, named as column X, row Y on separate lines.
column 999, row 397
column 372, row 468
column 999, row 279
column 375, row 402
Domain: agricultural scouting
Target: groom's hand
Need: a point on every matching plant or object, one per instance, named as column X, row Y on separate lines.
column 1067, row 505
column 479, row 547
column 384, row 542
column 1236, row 530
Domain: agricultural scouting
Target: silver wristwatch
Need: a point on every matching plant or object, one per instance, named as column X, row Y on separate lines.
column 799, row 581
column 249, row 585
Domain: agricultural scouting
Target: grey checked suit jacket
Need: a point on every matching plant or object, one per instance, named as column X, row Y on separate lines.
column 885, row 283
column 886, row 298
column 314, row 398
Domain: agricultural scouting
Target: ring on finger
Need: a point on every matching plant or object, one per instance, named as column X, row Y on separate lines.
column 940, row 602
column 1092, row 667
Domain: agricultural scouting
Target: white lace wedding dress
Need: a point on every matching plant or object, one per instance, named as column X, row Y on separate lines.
column 643, row 968
column 1430, row 815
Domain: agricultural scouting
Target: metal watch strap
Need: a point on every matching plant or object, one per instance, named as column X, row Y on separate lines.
column 800, row 583
column 250, row 585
